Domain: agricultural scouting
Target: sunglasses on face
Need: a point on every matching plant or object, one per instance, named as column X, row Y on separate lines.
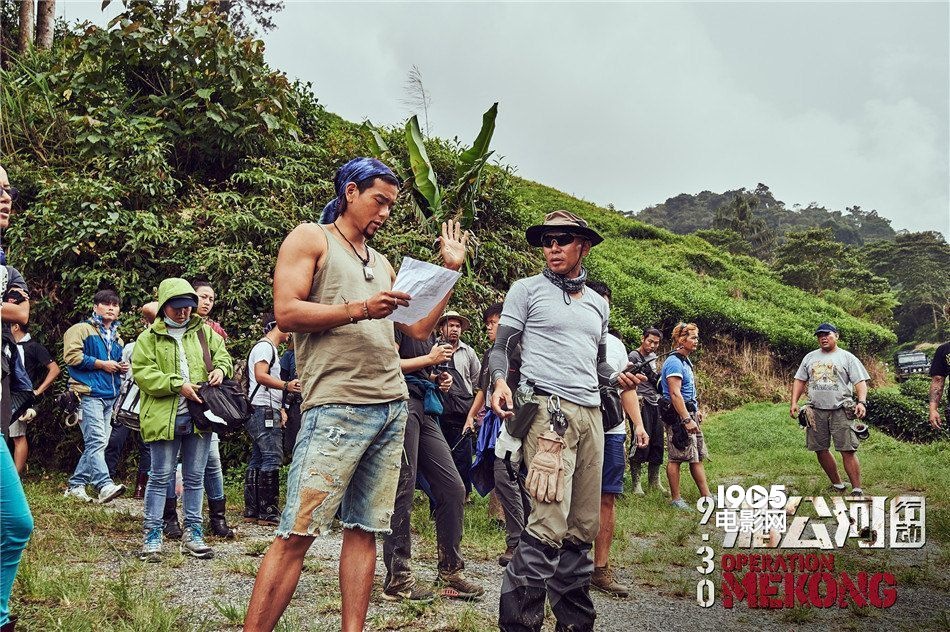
column 561, row 239
column 13, row 193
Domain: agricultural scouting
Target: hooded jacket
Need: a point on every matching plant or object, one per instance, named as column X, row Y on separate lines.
column 155, row 364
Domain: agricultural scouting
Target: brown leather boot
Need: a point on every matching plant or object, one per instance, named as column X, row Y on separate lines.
column 603, row 579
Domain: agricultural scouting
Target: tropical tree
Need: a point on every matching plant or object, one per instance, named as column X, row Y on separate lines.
column 434, row 203
column 740, row 218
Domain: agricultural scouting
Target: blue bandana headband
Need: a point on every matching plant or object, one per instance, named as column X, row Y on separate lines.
column 356, row 170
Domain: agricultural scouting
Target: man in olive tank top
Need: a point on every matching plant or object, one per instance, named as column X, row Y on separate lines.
column 335, row 293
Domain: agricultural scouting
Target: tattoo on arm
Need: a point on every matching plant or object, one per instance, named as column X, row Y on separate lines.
column 936, row 389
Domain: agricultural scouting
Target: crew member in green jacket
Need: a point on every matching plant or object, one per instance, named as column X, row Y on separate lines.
column 168, row 364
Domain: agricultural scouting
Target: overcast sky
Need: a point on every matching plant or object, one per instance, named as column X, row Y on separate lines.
column 630, row 103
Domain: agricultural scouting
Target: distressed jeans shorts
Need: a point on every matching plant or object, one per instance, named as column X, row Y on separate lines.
column 346, row 457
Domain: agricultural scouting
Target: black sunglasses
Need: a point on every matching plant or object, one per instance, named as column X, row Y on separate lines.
column 561, row 239
column 13, row 193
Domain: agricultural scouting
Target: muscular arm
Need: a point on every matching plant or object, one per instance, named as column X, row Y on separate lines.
column 299, row 257
column 15, row 312
column 300, row 254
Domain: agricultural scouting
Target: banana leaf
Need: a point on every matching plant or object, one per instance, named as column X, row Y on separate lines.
column 382, row 151
column 424, row 174
column 480, row 147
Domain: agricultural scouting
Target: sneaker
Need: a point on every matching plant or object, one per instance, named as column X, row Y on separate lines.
column 505, row 557
column 193, row 543
column 857, row 492
column 679, row 503
column 414, row 593
column 455, row 586
column 152, row 548
column 79, row 491
column 834, row 489
column 110, row 492
column 603, row 580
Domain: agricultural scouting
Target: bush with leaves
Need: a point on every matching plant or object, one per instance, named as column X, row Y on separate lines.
column 903, row 416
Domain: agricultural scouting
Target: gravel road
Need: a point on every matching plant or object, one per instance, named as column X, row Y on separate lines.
column 202, row 587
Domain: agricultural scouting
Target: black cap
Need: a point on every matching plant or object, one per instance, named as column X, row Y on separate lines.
column 178, row 302
column 826, row 328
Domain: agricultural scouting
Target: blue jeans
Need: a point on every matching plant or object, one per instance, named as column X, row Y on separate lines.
column 96, row 428
column 267, row 448
column 214, row 475
column 347, row 458
column 194, row 450
column 16, row 525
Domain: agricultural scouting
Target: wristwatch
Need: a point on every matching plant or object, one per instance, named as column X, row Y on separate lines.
column 863, row 403
column 686, row 420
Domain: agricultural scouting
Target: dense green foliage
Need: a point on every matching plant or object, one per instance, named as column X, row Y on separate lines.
column 903, row 412
column 165, row 146
column 815, row 262
column 686, row 213
column 740, row 218
column 917, row 266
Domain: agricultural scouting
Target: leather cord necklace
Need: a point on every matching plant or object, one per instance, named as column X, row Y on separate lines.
column 367, row 271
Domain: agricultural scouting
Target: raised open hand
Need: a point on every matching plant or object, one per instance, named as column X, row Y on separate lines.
column 452, row 244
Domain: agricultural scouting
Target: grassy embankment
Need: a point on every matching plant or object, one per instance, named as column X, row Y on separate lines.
column 79, row 571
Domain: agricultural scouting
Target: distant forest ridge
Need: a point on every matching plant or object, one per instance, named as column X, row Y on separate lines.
column 685, row 214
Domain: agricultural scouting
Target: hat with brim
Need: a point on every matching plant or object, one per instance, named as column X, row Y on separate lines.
column 180, row 302
column 562, row 222
column 453, row 315
column 826, row 328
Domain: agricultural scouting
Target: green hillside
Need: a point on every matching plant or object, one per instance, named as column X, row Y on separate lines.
column 659, row 278
column 165, row 146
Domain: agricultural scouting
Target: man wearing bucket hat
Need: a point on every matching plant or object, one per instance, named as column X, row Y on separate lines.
column 562, row 328
column 464, row 366
column 833, row 378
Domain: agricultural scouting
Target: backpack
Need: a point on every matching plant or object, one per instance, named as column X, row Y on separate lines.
column 126, row 411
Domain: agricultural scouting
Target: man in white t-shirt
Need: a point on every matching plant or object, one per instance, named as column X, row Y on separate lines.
column 266, row 394
column 833, row 377
column 611, row 484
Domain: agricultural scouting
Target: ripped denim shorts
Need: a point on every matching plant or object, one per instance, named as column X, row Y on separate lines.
column 347, row 457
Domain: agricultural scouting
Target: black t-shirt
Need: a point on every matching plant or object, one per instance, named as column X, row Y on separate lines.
column 941, row 361
column 411, row 348
column 36, row 359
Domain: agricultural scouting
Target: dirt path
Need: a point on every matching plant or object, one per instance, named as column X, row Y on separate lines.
column 213, row 594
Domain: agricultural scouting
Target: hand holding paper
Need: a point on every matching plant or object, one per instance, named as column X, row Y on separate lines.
column 426, row 283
